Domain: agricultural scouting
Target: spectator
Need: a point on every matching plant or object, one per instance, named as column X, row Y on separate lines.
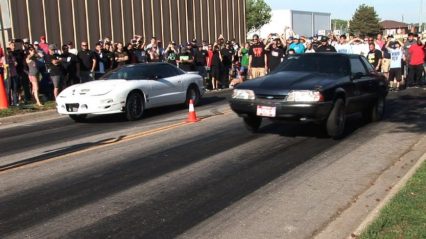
column 86, row 63
column 395, row 71
column 140, row 52
column 171, row 53
column 325, row 47
column 186, row 59
column 71, row 48
column 228, row 54
column 131, row 53
column 13, row 78
column 374, row 56
column 43, row 45
column 297, row 46
column 257, row 59
column 33, row 73
column 69, row 65
column 315, row 42
column 343, row 46
column 120, row 56
column 379, row 41
column 244, row 55
column 217, row 67
column 19, row 54
column 103, row 61
column 275, row 54
column 386, row 59
column 201, row 61
column 153, row 53
column 54, row 67
column 153, row 42
column 309, row 48
column 416, row 61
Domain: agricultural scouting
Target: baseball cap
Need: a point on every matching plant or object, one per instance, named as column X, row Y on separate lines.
column 36, row 43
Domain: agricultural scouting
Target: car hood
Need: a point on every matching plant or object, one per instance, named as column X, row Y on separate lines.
column 283, row 82
column 94, row 88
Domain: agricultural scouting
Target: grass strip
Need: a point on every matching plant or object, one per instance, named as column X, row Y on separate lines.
column 24, row 109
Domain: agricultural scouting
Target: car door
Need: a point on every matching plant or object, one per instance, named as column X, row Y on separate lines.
column 361, row 79
column 166, row 85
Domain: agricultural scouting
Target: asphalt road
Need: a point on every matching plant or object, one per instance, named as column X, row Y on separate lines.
column 162, row 178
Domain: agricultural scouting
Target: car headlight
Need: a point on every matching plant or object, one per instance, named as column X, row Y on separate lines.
column 243, row 94
column 304, row 96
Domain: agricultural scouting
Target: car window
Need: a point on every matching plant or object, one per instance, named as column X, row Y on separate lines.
column 334, row 64
column 166, row 70
column 132, row 72
column 370, row 67
column 357, row 66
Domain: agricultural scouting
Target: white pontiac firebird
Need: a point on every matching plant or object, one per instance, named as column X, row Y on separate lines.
column 131, row 89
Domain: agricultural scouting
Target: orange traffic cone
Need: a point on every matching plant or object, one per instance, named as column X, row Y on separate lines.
column 192, row 116
column 4, row 104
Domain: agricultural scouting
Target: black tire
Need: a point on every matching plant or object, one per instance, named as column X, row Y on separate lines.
column 376, row 112
column 134, row 106
column 78, row 118
column 335, row 124
column 252, row 123
column 194, row 94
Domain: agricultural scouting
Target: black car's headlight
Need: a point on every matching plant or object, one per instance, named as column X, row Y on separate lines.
column 304, row 96
column 243, row 94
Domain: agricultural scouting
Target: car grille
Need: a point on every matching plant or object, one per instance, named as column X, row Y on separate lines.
column 72, row 107
column 271, row 97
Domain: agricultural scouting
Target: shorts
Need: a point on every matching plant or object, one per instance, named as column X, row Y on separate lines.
column 395, row 74
column 385, row 65
column 56, row 80
column 257, row 72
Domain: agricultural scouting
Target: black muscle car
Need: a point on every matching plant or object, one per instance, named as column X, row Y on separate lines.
column 314, row 87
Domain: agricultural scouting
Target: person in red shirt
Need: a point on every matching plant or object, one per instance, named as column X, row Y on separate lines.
column 43, row 45
column 415, row 66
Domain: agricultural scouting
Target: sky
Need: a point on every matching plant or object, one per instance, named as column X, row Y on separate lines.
column 344, row 9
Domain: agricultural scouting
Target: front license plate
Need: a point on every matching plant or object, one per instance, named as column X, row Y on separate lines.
column 266, row 111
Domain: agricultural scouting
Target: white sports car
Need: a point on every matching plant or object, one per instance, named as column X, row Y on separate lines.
column 131, row 89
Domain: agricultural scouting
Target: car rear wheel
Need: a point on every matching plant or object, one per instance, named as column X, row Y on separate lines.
column 194, row 94
column 134, row 106
column 335, row 124
column 78, row 118
column 376, row 112
column 252, row 123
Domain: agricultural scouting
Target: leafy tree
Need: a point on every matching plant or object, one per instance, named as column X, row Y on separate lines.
column 258, row 13
column 365, row 21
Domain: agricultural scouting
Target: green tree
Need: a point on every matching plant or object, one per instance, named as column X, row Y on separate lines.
column 365, row 21
column 258, row 13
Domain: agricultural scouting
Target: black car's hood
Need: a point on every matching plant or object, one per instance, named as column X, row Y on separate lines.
column 282, row 82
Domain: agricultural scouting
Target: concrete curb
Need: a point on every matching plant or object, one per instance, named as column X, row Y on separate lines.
column 396, row 189
column 26, row 117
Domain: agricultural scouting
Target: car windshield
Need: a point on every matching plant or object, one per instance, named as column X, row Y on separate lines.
column 131, row 72
column 309, row 62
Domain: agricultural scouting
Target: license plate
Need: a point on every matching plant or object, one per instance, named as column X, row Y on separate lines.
column 72, row 107
column 266, row 111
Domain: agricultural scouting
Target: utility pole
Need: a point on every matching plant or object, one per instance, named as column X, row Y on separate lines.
column 420, row 16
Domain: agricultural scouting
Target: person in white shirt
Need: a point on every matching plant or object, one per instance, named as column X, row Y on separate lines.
column 343, row 46
column 395, row 73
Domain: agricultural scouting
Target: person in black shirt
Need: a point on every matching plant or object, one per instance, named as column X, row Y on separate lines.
column 87, row 63
column 275, row 54
column 374, row 56
column 216, row 67
column 257, row 58
column 228, row 54
column 171, row 53
column 201, row 61
column 186, row 59
column 325, row 47
column 69, row 64
column 54, row 67
column 103, row 61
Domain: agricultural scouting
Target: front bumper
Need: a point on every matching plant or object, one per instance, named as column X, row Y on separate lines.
column 297, row 112
column 89, row 105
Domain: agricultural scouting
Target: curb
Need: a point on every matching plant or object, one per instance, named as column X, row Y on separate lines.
column 395, row 189
column 31, row 116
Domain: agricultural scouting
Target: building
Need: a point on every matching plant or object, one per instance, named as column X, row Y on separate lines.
column 390, row 27
column 297, row 22
column 77, row 20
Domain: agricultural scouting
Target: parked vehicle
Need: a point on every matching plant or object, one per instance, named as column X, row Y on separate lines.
column 131, row 89
column 316, row 87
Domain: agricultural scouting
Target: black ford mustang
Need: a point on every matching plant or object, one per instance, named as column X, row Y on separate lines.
column 315, row 87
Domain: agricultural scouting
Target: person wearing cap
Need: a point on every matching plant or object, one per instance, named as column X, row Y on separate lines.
column 275, row 54
column 325, row 47
column 86, row 63
column 54, row 68
column 297, row 46
column 186, row 59
column 200, row 59
column 258, row 62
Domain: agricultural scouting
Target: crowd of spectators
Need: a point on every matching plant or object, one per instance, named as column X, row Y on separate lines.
column 39, row 68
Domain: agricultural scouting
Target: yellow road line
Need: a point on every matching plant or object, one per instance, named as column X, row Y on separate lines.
column 113, row 142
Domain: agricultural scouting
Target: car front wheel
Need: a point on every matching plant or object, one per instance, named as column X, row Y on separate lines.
column 194, row 94
column 252, row 123
column 134, row 106
column 335, row 124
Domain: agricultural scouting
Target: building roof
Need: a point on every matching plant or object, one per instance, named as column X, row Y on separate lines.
column 389, row 24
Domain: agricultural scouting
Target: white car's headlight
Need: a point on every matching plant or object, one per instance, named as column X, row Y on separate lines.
column 304, row 96
column 243, row 94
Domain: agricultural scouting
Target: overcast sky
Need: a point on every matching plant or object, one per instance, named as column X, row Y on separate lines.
column 344, row 9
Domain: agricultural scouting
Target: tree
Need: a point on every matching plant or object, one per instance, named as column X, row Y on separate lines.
column 365, row 21
column 258, row 13
column 339, row 24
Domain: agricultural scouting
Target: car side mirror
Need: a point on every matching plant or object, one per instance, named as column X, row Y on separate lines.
column 357, row 75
